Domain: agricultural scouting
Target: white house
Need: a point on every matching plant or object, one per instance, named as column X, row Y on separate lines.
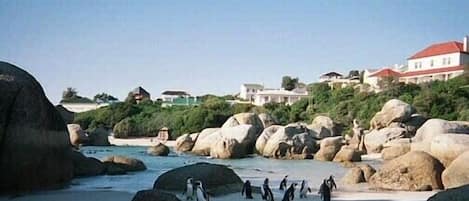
column 247, row 91
column 82, row 107
column 279, row 96
column 338, row 80
column 170, row 96
column 440, row 61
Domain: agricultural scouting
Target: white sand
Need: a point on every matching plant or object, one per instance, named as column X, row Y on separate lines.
column 145, row 141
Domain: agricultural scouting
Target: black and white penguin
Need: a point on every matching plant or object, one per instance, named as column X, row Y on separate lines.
column 247, row 190
column 200, row 192
column 290, row 193
column 331, row 183
column 325, row 191
column 266, row 192
column 189, row 191
column 304, row 189
column 283, row 183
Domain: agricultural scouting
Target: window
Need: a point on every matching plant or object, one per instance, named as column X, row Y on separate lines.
column 449, row 60
column 444, row 61
column 415, row 65
column 285, row 99
column 266, row 99
column 431, row 63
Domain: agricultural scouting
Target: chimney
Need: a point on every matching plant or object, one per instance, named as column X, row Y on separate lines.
column 466, row 44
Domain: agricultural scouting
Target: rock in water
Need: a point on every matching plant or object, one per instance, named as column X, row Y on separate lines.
column 158, row 150
column 34, row 141
column 413, row 171
column 77, row 135
column 446, row 147
column 204, row 141
column 368, row 171
column 329, row 148
column 186, row 142
column 354, row 176
column 375, row 139
column 265, row 136
column 454, row 194
column 217, row 179
column 347, row 154
column 457, row 174
column 245, row 119
column 86, row 166
column 154, row 195
column 267, row 120
column 393, row 111
column 128, row 164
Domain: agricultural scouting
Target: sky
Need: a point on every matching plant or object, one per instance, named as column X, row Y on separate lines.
column 212, row 46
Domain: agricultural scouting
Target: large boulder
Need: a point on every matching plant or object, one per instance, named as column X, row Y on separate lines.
column 368, row 171
column 86, row 166
column 375, row 139
column 77, row 135
column 289, row 141
column 454, row 194
column 395, row 150
column 126, row 163
column 204, row 141
column 446, row 147
column 217, row 179
column 265, row 137
column 414, row 171
column 329, row 148
column 347, row 154
column 433, row 127
column 393, row 111
column 186, row 142
column 354, row 176
column 457, row 173
column 158, row 150
column 234, row 142
column 325, row 127
column 414, row 123
column 35, row 145
column 99, row 137
column 67, row 115
column 243, row 119
column 154, row 195
column 267, row 120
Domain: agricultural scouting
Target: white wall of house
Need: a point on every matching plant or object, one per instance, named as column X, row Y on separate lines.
column 247, row 92
column 278, row 96
column 372, row 81
column 438, row 61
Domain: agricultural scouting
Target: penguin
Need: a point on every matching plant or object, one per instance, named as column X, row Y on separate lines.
column 266, row 192
column 290, row 193
column 189, row 191
column 248, row 189
column 283, row 183
column 331, row 183
column 201, row 193
column 325, row 191
column 304, row 189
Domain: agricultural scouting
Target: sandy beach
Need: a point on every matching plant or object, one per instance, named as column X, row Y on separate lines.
column 145, row 142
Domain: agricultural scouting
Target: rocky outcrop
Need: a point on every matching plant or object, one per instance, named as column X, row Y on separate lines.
column 86, row 166
column 393, row 111
column 433, row 127
column 368, row 171
column 154, row 195
column 67, row 115
column 125, row 163
column 325, row 127
column 99, row 137
column 205, row 140
column 35, row 145
column 267, row 120
column 158, row 150
column 234, row 142
column 347, row 154
column 454, row 194
column 77, row 135
column 446, row 147
column 265, row 137
column 217, row 179
column 414, row 123
column 413, row 171
column 354, row 176
column 375, row 140
column 329, row 148
column 290, row 142
column 245, row 119
column 186, row 142
column 457, row 173
column 395, row 150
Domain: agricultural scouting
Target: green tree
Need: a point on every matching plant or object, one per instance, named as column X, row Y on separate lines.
column 69, row 93
column 104, row 98
column 289, row 83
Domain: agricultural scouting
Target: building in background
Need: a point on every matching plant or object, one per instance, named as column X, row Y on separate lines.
column 181, row 98
column 441, row 61
column 248, row 91
column 337, row 80
column 279, row 96
column 140, row 94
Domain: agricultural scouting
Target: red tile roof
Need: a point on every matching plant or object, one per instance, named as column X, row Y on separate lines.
column 439, row 49
column 432, row 71
column 385, row 72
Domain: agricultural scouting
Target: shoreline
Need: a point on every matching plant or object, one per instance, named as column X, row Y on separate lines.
column 140, row 142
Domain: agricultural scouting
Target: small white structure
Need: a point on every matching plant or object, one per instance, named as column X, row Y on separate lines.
column 440, row 61
column 247, row 91
column 279, row 96
column 330, row 77
column 82, row 107
column 170, row 96
column 370, row 80
column 337, row 80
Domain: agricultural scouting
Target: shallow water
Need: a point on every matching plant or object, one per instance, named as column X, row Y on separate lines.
column 254, row 168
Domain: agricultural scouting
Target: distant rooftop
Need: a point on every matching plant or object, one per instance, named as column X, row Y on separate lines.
column 332, row 74
column 139, row 90
column 175, row 93
column 439, row 49
column 253, row 85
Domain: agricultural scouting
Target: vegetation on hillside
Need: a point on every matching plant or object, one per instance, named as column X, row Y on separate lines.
column 448, row 100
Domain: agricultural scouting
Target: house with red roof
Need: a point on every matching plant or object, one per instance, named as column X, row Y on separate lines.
column 441, row 61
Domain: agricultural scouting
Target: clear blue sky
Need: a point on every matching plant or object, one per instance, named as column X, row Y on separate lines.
column 213, row 46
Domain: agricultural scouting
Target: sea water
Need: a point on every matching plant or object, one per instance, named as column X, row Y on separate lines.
column 254, row 168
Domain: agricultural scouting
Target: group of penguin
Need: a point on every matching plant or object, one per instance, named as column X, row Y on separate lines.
column 196, row 188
